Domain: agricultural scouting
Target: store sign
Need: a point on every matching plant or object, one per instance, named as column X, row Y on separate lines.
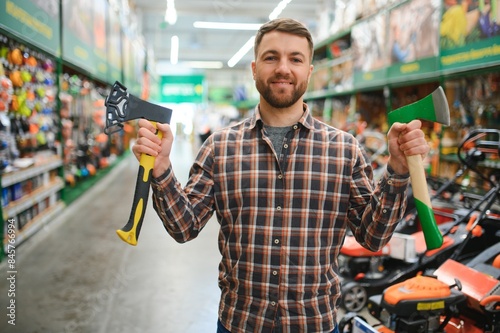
column 415, row 70
column 369, row 38
column 114, row 46
column 85, row 36
column 370, row 79
column 480, row 53
column 36, row 21
column 469, row 36
column 182, row 89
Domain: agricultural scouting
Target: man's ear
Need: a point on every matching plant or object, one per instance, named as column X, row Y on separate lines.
column 253, row 69
column 311, row 68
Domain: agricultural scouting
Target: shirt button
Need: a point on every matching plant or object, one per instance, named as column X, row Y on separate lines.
column 275, row 272
column 278, row 208
column 285, row 146
column 384, row 211
column 389, row 182
column 280, row 176
column 273, row 303
column 276, row 241
column 295, row 127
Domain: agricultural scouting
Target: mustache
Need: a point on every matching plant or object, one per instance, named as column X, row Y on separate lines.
column 282, row 77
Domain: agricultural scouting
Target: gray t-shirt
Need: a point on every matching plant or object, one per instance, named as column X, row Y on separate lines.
column 277, row 135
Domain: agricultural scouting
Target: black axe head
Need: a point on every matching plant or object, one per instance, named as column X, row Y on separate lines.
column 122, row 106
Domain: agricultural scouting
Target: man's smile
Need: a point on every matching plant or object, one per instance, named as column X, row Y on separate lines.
column 281, row 83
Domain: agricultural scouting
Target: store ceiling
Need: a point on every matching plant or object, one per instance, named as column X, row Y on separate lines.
column 207, row 44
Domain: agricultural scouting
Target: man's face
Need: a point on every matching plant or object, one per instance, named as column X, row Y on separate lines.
column 282, row 68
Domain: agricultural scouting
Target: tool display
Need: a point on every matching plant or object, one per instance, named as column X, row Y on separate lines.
column 121, row 107
column 433, row 107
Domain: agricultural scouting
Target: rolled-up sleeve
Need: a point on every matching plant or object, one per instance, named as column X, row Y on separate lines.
column 385, row 209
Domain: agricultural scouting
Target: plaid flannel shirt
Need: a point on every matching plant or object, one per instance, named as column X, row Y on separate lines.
column 282, row 218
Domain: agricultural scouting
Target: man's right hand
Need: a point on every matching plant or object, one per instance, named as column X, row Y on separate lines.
column 149, row 143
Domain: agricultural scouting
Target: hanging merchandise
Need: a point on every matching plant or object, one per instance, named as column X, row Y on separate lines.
column 6, row 91
column 28, row 96
column 82, row 119
column 7, row 145
column 29, row 160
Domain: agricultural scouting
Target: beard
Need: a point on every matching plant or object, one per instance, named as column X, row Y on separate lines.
column 277, row 98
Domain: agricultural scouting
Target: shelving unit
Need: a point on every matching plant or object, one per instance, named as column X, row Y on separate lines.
column 52, row 111
column 399, row 52
column 39, row 200
column 11, row 178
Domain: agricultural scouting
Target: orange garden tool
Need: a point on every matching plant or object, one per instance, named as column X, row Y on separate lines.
column 433, row 107
column 121, row 107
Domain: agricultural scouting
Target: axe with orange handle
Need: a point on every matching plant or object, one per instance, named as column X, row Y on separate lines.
column 121, row 107
column 433, row 107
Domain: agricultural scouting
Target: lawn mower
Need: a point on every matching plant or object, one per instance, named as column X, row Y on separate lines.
column 457, row 298
column 364, row 273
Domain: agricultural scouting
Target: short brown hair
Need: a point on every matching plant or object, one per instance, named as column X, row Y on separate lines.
column 287, row 25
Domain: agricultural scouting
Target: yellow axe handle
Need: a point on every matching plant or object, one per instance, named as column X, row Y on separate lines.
column 130, row 232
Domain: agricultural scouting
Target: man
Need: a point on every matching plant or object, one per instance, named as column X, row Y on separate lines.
column 284, row 187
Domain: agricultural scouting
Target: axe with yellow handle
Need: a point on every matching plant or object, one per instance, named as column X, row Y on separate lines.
column 433, row 107
column 121, row 107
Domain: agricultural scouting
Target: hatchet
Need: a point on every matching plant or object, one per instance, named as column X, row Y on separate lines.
column 433, row 107
column 121, row 107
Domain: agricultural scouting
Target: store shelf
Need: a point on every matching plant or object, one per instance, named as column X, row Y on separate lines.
column 39, row 221
column 27, row 201
column 334, row 62
column 24, row 174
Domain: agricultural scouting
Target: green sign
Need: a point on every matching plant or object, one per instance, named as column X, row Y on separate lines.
column 85, row 36
column 100, row 29
column 36, row 21
column 182, row 89
column 469, row 36
column 413, row 70
column 481, row 53
column 370, row 79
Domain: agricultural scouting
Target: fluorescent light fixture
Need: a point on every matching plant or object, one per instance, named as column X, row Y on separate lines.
column 170, row 13
column 249, row 44
column 226, row 26
column 174, row 50
column 241, row 53
column 204, row 64
column 279, row 8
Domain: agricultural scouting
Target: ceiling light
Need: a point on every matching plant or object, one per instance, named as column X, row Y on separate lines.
column 227, row 26
column 279, row 8
column 241, row 53
column 170, row 13
column 249, row 44
column 174, row 50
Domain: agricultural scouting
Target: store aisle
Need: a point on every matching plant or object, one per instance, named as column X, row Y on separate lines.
column 76, row 275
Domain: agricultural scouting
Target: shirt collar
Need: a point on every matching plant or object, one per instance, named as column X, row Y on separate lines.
column 306, row 120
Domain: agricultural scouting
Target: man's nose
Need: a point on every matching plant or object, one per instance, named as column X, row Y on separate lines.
column 283, row 66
